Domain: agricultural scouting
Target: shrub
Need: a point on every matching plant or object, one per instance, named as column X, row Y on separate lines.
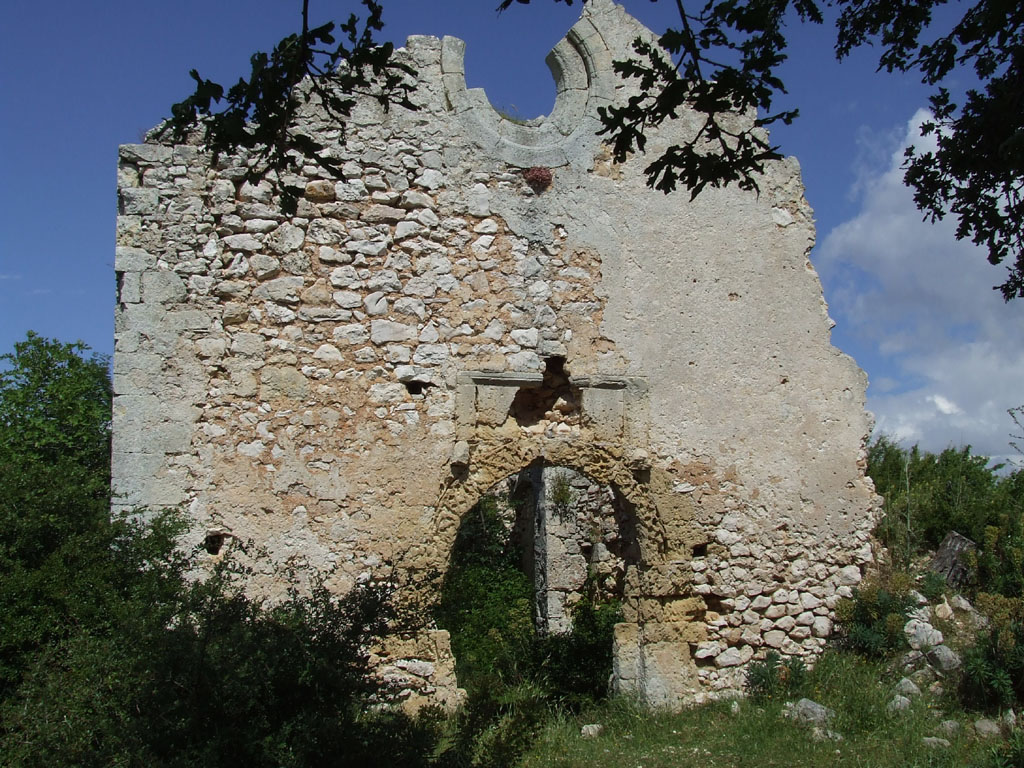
column 993, row 669
column 487, row 603
column 575, row 666
column 999, row 563
column 174, row 672
column 927, row 495
column 513, row 676
column 932, row 585
column 771, row 677
column 111, row 655
column 871, row 622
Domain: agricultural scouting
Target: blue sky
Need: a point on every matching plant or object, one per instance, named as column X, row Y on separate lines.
column 944, row 355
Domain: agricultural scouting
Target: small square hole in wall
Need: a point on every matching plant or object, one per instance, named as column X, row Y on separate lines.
column 700, row 550
column 417, row 388
column 214, row 542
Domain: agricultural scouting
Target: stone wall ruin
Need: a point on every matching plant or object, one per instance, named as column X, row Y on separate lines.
column 340, row 386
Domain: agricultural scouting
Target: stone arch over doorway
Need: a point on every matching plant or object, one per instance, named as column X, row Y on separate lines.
column 663, row 619
column 497, row 458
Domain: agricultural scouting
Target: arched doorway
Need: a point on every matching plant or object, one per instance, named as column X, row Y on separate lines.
column 536, row 582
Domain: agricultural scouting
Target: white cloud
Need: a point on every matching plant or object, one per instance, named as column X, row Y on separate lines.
column 945, row 406
column 948, row 352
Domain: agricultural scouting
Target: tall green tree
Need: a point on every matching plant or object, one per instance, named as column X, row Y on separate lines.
column 55, row 406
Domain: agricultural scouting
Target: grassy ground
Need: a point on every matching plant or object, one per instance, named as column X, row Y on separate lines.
column 759, row 736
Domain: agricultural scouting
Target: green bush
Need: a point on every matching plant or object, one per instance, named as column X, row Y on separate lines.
column 576, row 666
column 487, row 603
column 928, row 495
column 513, row 676
column 871, row 622
column 993, row 668
column 111, row 655
column 166, row 671
column 932, row 586
column 999, row 562
column 55, row 403
column 487, row 606
column 772, row 678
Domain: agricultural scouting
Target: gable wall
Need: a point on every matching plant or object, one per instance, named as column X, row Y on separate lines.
column 329, row 385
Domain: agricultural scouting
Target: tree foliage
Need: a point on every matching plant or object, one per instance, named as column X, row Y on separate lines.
column 976, row 170
column 112, row 653
column 723, row 63
column 54, row 442
column 928, row 495
column 725, row 56
column 258, row 115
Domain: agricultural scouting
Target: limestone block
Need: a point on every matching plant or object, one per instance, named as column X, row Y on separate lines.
column 328, row 353
column 244, row 242
column 162, row 288
column 602, row 408
column 145, row 153
column 668, row 676
column 774, row 638
column 129, row 289
column 667, row 580
column 460, row 454
column 387, row 331
column 351, row 334
column 921, row 635
column 375, row 304
column 383, row 213
column 627, row 663
column 128, row 259
column 822, row 626
column 324, row 314
column 328, row 232
column 849, row 576
column 264, row 267
column 283, row 382
column 284, row 290
column 138, row 200
column 347, row 299
column 493, row 403
column 320, row 191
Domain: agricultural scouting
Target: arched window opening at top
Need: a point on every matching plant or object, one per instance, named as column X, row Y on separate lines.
column 511, row 66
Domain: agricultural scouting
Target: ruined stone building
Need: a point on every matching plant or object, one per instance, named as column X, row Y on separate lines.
column 341, row 385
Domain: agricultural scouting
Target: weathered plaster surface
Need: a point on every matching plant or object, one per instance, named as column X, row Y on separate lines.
column 341, row 385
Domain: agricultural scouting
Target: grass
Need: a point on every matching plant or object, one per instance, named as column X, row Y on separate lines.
column 758, row 735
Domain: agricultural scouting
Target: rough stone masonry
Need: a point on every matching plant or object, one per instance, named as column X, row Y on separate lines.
column 340, row 386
